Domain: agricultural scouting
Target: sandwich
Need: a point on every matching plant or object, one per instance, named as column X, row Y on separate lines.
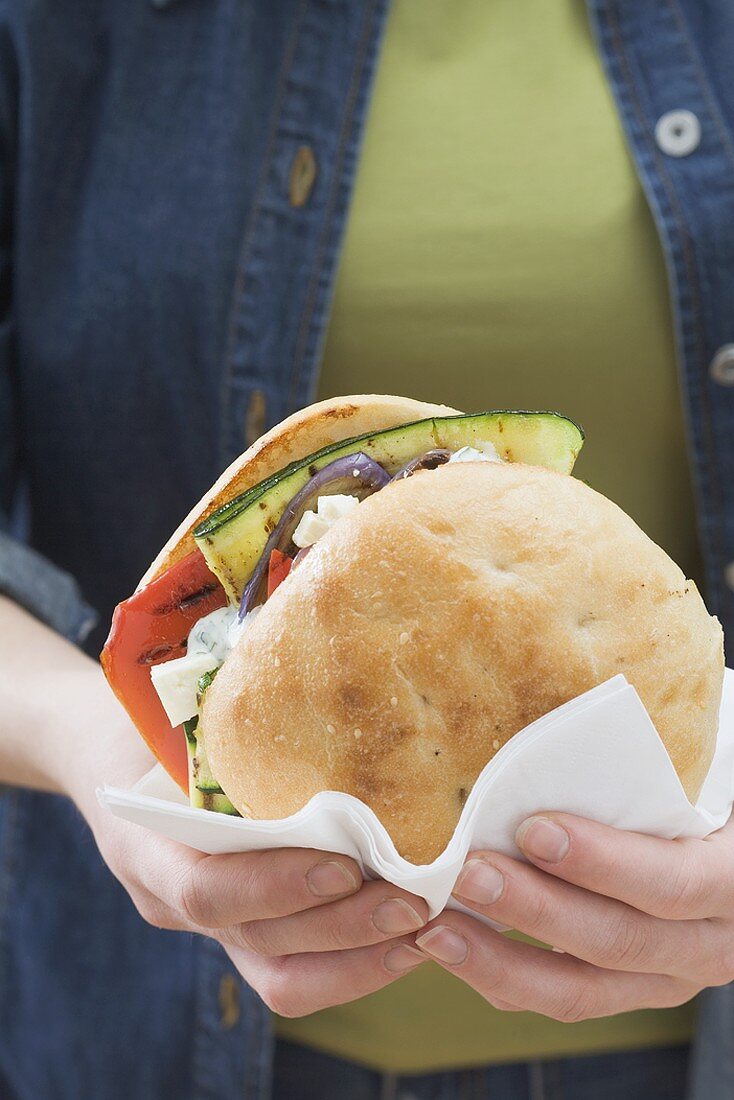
column 379, row 594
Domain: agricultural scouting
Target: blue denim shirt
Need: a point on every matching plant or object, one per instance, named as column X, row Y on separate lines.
column 165, row 280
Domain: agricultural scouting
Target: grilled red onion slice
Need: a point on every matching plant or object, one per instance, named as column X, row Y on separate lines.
column 357, row 474
column 428, row 461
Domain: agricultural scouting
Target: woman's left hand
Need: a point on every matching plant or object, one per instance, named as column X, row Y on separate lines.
column 637, row 922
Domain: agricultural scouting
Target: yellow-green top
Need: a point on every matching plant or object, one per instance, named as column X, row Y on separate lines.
column 500, row 253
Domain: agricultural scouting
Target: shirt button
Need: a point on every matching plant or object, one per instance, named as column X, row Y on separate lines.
column 229, row 1002
column 721, row 368
column 302, row 177
column 678, row 133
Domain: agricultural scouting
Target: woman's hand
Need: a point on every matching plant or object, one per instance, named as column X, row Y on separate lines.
column 299, row 925
column 643, row 922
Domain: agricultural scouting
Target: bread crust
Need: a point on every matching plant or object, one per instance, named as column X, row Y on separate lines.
column 297, row 436
column 438, row 619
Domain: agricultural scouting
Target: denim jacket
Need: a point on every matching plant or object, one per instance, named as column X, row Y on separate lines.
column 174, row 180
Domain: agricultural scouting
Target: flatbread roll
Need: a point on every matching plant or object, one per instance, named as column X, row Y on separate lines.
column 433, row 623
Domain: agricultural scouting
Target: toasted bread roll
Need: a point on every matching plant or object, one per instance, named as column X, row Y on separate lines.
column 439, row 618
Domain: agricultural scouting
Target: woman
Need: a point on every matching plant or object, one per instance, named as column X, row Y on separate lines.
column 179, row 182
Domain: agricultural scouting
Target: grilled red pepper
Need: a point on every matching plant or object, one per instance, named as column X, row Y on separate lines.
column 147, row 629
column 279, row 567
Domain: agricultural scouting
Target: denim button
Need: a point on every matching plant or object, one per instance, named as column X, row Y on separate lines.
column 721, row 368
column 302, row 177
column 229, row 1002
column 729, row 575
column 678, row 133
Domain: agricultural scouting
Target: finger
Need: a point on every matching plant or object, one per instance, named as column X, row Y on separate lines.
column 297, row 985
column 156, row 912
column 680, row 879
column 134, row 869
column 537, row 980
column 597, row 929
column 378, row 912
column 221, row 890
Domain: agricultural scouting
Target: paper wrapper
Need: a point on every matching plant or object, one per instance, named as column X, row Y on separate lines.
column 599, row 756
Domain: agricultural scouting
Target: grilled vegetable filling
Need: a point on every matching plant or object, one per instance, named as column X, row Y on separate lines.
column 254, row 541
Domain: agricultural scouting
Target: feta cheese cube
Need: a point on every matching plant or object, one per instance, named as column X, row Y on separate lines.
column 310, row 529
column 315, row 524
column 333, row 508
column 176, row 682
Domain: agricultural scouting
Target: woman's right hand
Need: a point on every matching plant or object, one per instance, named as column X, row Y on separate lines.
column 301, row 926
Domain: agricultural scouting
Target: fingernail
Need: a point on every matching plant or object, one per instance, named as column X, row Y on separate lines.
column 480, row 882
column 543, row 839
column 395, row 917
column 328, row 879
column 401, row 958
column 444, row 944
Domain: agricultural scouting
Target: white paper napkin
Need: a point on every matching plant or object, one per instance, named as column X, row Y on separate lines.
column 599, row 756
